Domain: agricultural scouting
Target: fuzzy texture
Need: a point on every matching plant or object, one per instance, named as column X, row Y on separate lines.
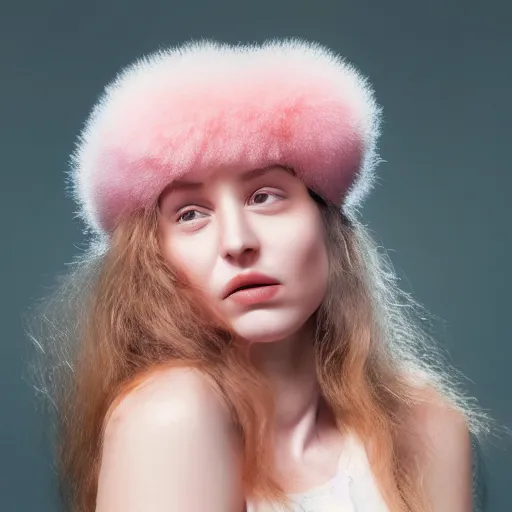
column 187, row 110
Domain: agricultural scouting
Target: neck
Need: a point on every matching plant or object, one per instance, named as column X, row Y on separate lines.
column 289, row 366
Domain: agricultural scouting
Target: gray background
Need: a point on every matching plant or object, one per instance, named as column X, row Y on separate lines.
column 442, row 71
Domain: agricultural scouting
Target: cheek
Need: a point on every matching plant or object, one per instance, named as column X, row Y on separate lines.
column 186, row 257
column 303, row 255
column 315, row 253
column 315, row 269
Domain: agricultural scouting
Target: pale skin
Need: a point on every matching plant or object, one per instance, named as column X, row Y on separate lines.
column 169, row 445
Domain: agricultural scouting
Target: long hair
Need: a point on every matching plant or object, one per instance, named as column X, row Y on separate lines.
column 123, row 312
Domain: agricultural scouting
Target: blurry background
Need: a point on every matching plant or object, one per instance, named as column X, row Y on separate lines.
column 442, row 71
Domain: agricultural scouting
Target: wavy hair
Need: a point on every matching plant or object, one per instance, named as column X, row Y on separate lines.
column 122, row 312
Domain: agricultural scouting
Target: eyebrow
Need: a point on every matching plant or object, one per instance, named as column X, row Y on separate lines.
column 246, row 176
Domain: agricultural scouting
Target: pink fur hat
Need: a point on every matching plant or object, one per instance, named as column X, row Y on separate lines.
column 187, row 110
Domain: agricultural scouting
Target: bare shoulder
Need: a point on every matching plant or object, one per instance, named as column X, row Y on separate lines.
column 166, row 396
column 437, row 421
column 441, row 449
column 168, row 436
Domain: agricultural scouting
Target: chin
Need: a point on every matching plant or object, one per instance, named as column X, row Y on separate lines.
column 268, row 326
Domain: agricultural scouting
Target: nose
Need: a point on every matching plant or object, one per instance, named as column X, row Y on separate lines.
column 237, row 238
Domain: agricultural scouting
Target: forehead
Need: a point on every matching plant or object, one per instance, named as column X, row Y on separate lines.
column 239, row 174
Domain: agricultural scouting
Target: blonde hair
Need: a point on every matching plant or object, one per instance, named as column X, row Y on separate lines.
column 123, row 312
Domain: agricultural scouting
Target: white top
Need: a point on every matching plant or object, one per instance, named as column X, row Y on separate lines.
column 352, row 489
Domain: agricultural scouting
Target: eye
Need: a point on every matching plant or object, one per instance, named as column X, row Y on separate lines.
column 262, row 194
column 260, row 197
column 186, row 217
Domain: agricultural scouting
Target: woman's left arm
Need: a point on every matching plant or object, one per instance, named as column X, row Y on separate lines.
column 446, row 461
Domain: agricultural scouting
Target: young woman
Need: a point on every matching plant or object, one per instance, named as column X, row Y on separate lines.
column 233, row 338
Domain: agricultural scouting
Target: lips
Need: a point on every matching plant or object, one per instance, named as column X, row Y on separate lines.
column 249, row 280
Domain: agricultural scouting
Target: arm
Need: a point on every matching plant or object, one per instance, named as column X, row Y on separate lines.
column 444, row 458
column 169, row 446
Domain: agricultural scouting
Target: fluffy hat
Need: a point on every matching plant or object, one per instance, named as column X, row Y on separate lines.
column 187, row 110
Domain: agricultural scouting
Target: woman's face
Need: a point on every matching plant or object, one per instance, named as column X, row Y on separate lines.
column 236, row 222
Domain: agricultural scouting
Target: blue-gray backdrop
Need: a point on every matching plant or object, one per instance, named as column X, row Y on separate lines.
column 442, row 71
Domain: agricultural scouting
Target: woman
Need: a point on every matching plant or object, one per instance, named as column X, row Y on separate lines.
column 235, row 340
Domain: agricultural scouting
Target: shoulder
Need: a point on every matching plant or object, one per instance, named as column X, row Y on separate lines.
column 166, row 396
column 440, row 446
column 168, row 435
column 437, row 422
